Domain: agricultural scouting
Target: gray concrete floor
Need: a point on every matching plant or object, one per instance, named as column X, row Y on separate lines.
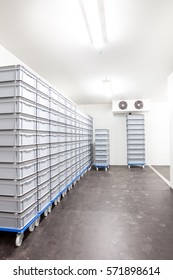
column 164, row 170
column 120, row 214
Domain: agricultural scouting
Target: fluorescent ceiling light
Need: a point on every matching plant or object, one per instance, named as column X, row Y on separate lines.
column 93, row 22
column 107, row 87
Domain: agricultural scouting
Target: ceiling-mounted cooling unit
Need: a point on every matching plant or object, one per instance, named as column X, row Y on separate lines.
column 127, row 106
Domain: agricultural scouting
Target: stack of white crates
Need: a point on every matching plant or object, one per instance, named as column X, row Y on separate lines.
column 102, row 156
column 45, row 147
column 135, row 140
column 18, row 150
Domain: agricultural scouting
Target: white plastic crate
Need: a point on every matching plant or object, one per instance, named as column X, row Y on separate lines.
column 42, row 138
column 62, row 166
column 43, row 202
column 17, row 73
column 18, row 221
column 43, row 189
column 54, row 116
column 42, row 99
column 18, row 204
column 20, row 138
column 61, row 138
column 43, row 176
column 68, row 121
column 13, row 154
column 54, row 149
column 54, row 192
column 62, row 185
column 54, row 105
column 12, row 122
column 54, row 159
column 17, row 89
column 62, row 176
column 135, row 147
column 42, row 112
column 62, row 118
column 17, row 171
column 17, row 105
column 54, row 126
column 42, row 125
column 135, row 126
column 54, row 170
column 18, row 188
column 54, row 182
column 62, row 128
column 62, row 147
column 43, row 163
column 62, row 99
column 68, row 163
column 43, row 151
column 61, row 109
column 43, row 87
column 54, row 94
column 136, row 132
column 62, row 156
column 54, row 137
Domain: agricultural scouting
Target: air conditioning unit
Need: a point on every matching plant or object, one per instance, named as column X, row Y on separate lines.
column 127, row 106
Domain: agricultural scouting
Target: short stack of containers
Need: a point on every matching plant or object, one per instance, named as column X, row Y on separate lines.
column 102, row 157
column 43, row 146
column 18, row 150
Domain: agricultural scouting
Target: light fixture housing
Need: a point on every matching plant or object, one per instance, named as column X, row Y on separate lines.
column 93, row 23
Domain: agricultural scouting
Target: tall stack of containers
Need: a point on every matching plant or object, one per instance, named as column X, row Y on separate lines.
column 135, row 140
column 102, row 157
column 45, row 147
column 18, row 150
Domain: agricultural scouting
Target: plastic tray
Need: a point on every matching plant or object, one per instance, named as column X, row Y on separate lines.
column 17, row 73
column 42, row 112
column 43, row 189
column 17, row 89
column 43, row 163
column 17, row 171
column 54, row 192
column 17, row 105
column 43, row 125
column 54, row 170
column 54, row 159
column 13, row 121
column 43, row 176
column 17, row 155
column 54, row 116
column 54, row 94
column 18, row 221
column 18, row 188
column 43, row 87
column 42, row 99
column 20, row 138
column 43, row 202
column 43, row 151
column 43, row 138
column 54, row 126
column 62, row 185
column 18, row 204
column 55, row 181
column 54, row 105
column 62, row 166
column 54, row 149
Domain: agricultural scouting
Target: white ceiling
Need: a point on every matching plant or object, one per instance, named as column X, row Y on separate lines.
column 51, row 37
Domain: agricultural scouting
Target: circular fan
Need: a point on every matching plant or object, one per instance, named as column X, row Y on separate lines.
column 139, row 104
column 122, row 105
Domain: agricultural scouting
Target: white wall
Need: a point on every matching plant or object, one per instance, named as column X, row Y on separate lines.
column 157, row 132
column 7, row 58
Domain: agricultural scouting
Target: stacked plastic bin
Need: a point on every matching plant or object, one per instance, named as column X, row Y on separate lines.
column 102, row 157
column 18, row 150
column 135, row 140
column 43, row 147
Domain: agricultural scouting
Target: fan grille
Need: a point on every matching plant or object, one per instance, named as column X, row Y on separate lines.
column 122, row 105
column 139, row 104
